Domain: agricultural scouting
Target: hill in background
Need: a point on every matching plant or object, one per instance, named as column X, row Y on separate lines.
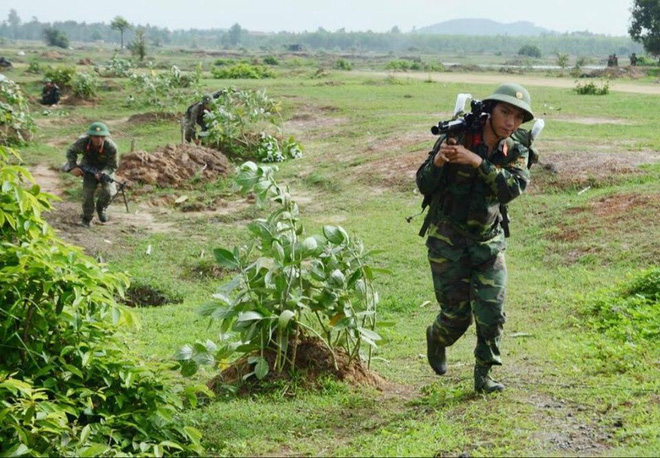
column 484, row 27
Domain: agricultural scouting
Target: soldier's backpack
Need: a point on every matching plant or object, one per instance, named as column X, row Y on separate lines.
column 523, row 136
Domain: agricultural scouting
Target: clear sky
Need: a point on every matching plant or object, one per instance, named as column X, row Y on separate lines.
column 610, row 17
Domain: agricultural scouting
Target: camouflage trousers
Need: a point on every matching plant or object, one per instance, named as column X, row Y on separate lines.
column 468, row 287
column 90, row 183
column 188, row 129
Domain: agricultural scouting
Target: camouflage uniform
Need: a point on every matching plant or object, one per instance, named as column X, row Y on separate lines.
column 194, row 117
column 50, row 94
column 466, row 242
column 103, row 160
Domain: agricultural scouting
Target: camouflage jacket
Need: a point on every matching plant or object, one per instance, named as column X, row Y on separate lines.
column 195, row 115
column 104, row 160
column 465, row 202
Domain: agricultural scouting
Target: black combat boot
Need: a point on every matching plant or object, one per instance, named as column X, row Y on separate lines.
column 86, row 222
column 483, row 383
column 435, row 353
column 103, row 216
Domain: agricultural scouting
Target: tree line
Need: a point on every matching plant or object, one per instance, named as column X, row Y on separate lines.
column 119, row 31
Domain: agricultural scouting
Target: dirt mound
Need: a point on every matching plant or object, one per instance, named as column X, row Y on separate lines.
column 85, row 61
column 146, row 118
column 314, row 362
column 618, row 72
column 173, row 166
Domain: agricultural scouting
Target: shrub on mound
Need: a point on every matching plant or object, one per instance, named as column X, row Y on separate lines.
column 67, row 385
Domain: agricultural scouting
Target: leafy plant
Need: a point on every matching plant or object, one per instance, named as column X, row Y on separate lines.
column 34, row 67
column 61, row 75
column 592, row 88
column 246, row 124
column 68, row 386
column 342, row 64
column 161, row 90
column 288, row 285
column 118, row 67
column 16, row 123
column 243, row 70
column 85, row 85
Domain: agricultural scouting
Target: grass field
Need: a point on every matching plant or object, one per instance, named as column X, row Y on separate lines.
column 589, row 222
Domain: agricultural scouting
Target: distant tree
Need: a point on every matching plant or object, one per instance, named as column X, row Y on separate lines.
column 530, row 51
column 395, row 30
column 645, row 25
column 138, row 46
column 562, row 60
column 14, row 22
column 121, row 24
column 56, row 37
column 235, row 33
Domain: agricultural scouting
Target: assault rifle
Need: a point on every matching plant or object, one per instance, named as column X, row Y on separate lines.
column 105, row 178
column 469, row 122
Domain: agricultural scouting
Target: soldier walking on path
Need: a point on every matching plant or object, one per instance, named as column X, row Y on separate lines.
column 99, row 161
column 470, row 176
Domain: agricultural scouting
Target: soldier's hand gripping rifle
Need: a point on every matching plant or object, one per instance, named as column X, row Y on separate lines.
column 105, row 178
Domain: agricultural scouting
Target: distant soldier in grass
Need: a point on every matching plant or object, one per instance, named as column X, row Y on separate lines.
column 469, row 177
column 193, row 117
column 99, row 158
column 50, row 94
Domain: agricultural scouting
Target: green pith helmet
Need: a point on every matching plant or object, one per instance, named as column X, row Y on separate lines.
column 48, row 80
column 98, row 129
column 206, row 100
column 515, row 95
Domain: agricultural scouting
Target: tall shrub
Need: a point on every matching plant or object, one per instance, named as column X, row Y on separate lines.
column 67, row 385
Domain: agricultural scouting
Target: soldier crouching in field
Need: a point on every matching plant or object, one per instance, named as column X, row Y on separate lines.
column 50, row 94
column 99, row 162
column 193, row 117
column 470, row 176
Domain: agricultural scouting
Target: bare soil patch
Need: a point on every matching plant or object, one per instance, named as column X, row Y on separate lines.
column 582, row 169
column 173, row 166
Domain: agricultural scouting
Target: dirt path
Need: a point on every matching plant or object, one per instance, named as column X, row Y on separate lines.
column 525, row 80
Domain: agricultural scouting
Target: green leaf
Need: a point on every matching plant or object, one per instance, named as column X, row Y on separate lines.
column 261, row 368
column 285, row 318
column 185, row 353
column 19, row 450
column 226, row 258
column 95, row 450
column 249, row 316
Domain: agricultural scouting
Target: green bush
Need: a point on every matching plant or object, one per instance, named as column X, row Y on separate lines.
column 16, row 123
column 247, row 125
column 85, row 85
column 342, row 64
column 243, row 71
column 163, row 90
column 61, row 75
column 55, row 37
column 271, row 60
column 592, row 88
column 118, row 67
column 67, row 384
column 530, row 51
column 288, row 286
